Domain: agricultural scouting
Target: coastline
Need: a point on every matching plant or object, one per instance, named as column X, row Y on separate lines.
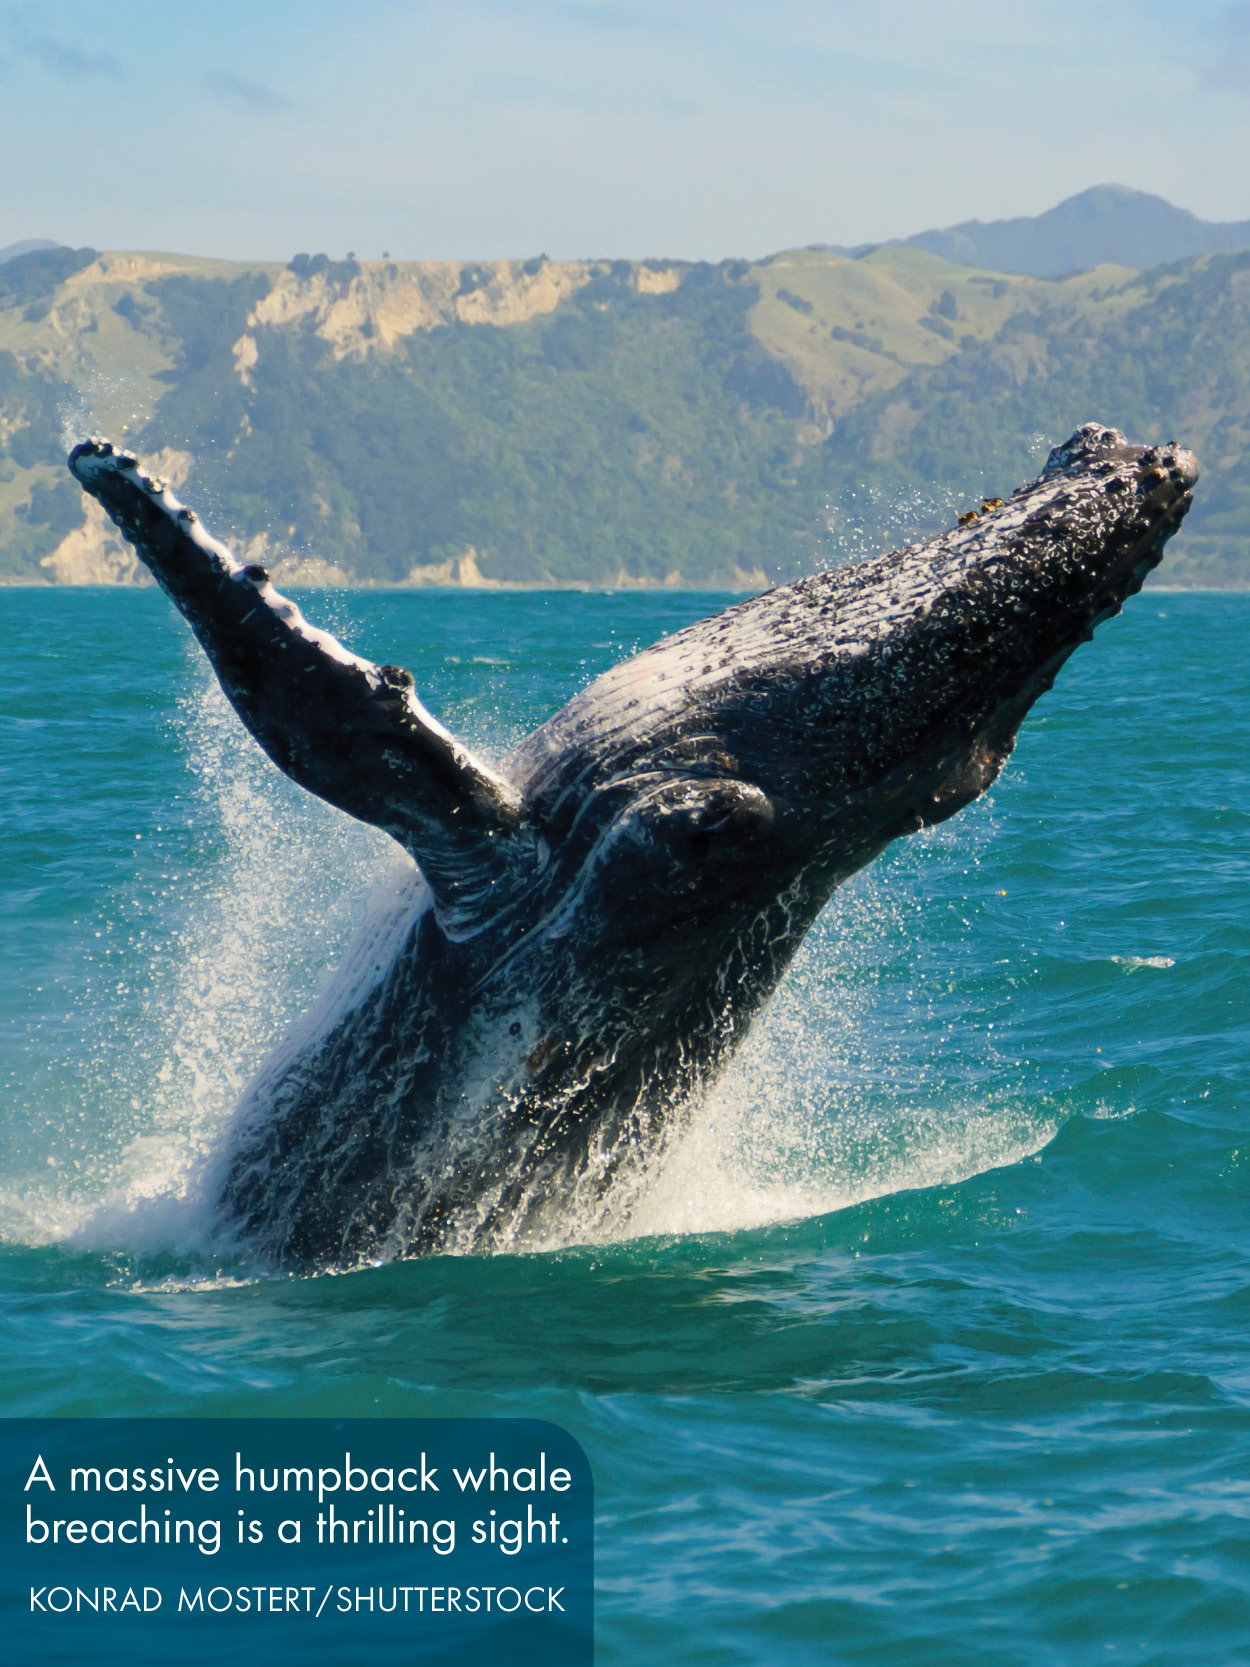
column 588, row 587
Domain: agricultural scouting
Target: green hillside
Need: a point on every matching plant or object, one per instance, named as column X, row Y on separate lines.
column 599, row 422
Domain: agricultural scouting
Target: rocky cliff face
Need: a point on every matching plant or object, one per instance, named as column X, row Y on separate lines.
column 372, row 305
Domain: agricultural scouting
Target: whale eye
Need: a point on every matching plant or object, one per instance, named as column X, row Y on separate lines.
column 514, row 1029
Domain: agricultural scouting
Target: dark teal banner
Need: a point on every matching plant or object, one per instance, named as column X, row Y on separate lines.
column 313, row 1541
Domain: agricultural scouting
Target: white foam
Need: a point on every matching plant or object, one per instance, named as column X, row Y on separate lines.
column 252, row 939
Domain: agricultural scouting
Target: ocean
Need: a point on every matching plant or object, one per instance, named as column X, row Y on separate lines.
column 926, row 1344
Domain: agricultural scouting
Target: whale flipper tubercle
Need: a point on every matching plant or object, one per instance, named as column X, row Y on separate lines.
column 350, row 731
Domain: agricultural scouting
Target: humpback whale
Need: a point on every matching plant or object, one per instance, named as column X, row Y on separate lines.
column 609, row 908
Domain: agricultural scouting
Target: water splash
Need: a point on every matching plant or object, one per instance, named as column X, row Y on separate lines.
column 831, row 1100
column 847, row 1088
column 247, row 939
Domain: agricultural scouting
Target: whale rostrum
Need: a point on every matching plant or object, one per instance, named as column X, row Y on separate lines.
column 610, row 907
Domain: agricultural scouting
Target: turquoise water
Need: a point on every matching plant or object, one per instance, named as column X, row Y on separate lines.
column 927, row 1345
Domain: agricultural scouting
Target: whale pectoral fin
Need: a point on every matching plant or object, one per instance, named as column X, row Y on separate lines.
column 351, row 732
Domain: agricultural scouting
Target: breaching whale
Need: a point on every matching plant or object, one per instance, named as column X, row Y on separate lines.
column 609, row 908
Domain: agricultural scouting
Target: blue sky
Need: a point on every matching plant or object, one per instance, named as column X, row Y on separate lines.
column 696, row 128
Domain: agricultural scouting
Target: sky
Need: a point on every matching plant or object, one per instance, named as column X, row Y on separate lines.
column 700, row 129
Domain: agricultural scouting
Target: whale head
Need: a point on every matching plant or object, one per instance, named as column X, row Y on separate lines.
column 965, row 632
column 820, row 720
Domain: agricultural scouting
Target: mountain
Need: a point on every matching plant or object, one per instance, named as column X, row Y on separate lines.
column 600, row 422
column 1106, row 224
column 28, row 246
